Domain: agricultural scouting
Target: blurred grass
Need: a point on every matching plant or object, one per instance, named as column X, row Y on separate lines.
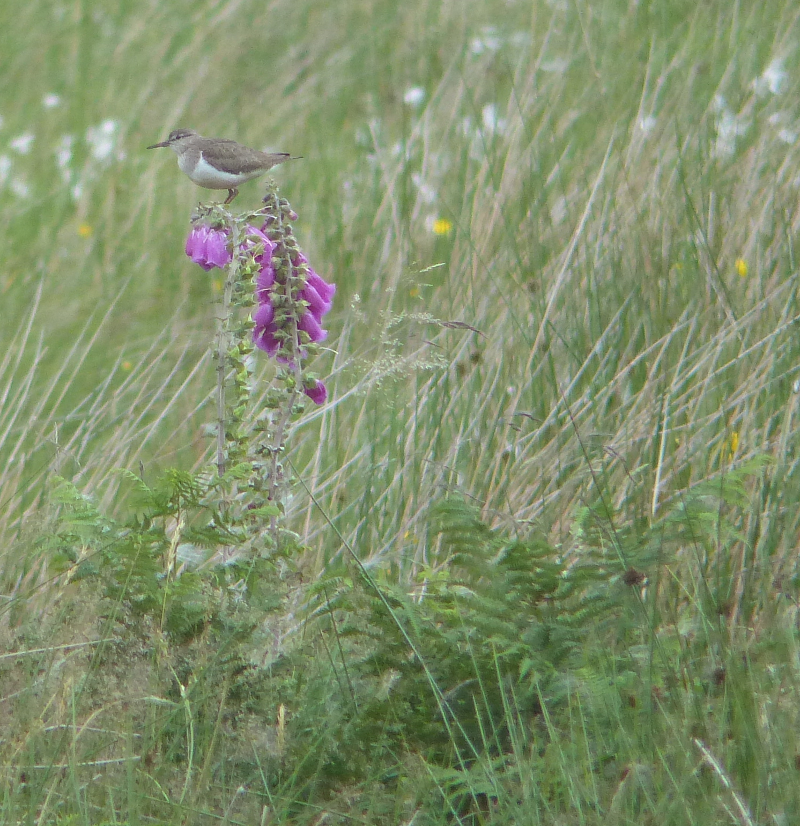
column 603, row 168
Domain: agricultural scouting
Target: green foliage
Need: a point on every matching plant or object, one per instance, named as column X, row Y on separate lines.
column 479, row 668
column 507, row 631
column 156, row 563
column 619, row 278
column 501, row 615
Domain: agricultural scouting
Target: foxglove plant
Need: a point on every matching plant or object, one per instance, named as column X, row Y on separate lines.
column 268, row 276
column 208, row 247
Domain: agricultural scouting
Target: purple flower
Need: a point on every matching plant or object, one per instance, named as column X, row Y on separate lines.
column 254, row 235
column 265, row 340
column 269, row 335
column 259, row 234
column 325, row 290
column 318, row 393
column 264, row 282
column 208, row 247
column 265, row 329
column 311, row 325
column 318, row 294
column 264, row 315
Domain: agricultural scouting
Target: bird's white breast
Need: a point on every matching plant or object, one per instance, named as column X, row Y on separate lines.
column 203, row 174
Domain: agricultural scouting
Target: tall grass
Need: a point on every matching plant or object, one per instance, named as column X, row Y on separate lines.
column 598, row 345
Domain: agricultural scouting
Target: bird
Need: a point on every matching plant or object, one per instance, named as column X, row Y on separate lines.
column 218, row 163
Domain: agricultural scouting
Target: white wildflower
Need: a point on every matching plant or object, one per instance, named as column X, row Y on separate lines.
column 22, row 143
column 414, row 96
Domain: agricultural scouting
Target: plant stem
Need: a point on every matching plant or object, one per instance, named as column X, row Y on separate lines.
column 276, row 467
column 223, row 344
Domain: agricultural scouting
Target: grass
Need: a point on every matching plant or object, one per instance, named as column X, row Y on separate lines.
column 599, row 356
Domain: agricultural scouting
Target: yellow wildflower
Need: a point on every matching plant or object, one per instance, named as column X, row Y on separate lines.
column 441, row 226
column 733, row 444
column 84, row 230
column 741, row 267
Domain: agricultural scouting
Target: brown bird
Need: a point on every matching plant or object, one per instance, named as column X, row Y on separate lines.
column 218, row 163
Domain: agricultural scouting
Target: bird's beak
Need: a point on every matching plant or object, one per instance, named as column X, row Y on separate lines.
column 157, row 145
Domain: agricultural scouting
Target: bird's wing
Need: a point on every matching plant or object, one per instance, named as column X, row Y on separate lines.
column 233, row 157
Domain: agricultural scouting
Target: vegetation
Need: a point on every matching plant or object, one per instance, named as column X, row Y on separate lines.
column 538, row 552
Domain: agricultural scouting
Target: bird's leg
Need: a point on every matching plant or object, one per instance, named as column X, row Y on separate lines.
column 232, row 193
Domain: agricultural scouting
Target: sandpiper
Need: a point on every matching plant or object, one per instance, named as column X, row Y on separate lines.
column 218, row 163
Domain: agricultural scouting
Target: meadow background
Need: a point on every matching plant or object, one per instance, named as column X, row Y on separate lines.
column 563, row 367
